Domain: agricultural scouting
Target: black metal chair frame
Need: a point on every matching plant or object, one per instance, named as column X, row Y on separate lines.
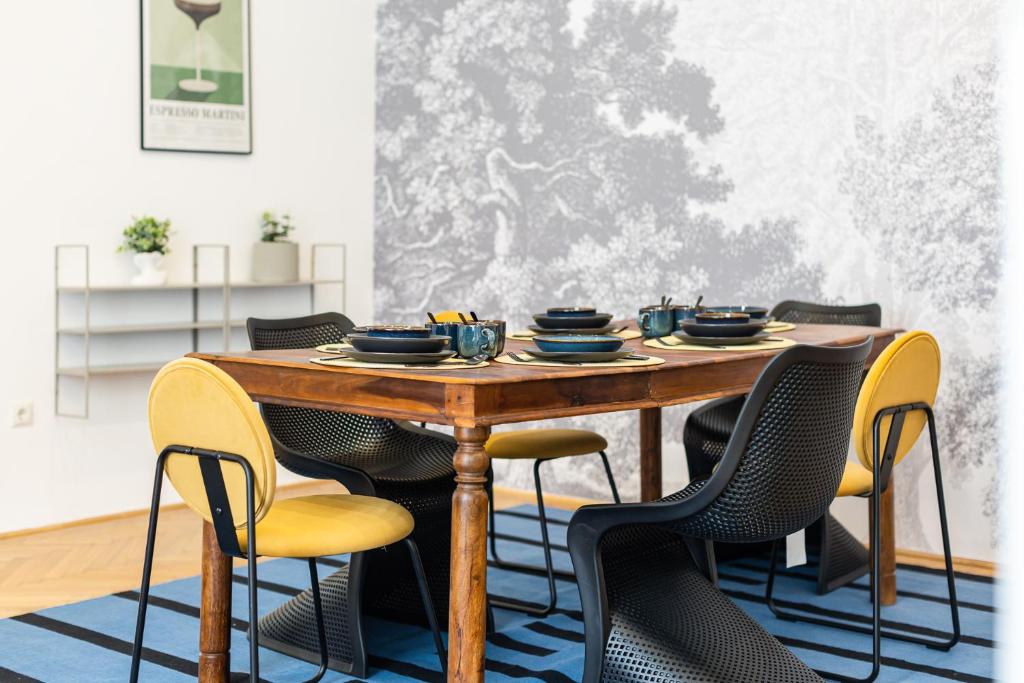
column 549, row 567
column 881, row 471
column 224, row 526
column 590, row 524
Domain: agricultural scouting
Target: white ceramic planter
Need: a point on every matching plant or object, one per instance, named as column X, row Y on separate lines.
column 149, row 265
column 275, row 262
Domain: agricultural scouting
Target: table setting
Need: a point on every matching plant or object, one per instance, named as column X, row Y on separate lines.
column 562, row 336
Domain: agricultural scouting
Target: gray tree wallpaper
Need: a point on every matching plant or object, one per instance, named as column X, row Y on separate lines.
column 532, row 153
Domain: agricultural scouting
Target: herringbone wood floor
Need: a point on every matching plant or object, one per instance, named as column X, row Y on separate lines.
column 57, row 566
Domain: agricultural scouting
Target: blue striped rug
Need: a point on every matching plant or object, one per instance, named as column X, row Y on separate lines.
column 91, row 640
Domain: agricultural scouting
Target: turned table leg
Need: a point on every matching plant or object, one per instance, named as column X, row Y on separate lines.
column 467, row 622
column 214, row 612
column 650, row 454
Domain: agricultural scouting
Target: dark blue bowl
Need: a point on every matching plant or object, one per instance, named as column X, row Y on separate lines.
column 755, row 312
column 572, row 312
column 398, row 331
column 577, row 342
column 722, row 318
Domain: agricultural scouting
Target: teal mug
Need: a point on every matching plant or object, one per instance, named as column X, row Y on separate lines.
column 656, row 321
column 477, row 339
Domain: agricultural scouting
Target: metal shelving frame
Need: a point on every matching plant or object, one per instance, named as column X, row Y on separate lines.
column 86, row 330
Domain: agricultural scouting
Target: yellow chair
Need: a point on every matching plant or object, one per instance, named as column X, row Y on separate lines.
column 216, row 452
column 540, row 445
column 894, row 406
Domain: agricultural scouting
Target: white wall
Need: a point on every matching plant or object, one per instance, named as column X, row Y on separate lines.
column 71, row 171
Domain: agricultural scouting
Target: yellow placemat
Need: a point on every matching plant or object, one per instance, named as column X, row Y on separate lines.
column 527, row 335
column 776, row 326
column 449, row 364
column 621, row 363
column 674, row 344
column 333, row 348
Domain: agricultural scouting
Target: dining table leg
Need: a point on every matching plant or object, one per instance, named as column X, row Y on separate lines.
column 214, row 611
column 650, row 454
column 467, row 615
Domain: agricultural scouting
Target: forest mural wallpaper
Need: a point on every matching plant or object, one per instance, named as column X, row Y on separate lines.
column 533, row 153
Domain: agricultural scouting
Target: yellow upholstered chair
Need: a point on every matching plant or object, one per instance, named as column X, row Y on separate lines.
column 216, row 452
column 893, row 408
column 540, row 445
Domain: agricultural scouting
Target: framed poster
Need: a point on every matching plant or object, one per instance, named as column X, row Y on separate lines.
column 196, row 94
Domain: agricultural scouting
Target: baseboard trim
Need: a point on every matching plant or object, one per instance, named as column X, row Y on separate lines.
column 127, row 514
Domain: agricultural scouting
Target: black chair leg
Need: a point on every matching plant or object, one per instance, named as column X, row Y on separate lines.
column 932, row 643
column 611, row 479
column 147, row 571
column 549, row 566
column 321, row 630
column 428, row 603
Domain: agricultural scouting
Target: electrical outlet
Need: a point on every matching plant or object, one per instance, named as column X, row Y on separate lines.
column 21, row 414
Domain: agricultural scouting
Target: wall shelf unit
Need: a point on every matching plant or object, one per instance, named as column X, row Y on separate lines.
column 80, row 298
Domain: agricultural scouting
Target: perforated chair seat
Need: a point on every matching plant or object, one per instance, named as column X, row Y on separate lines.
column 856, row 480
column 544, row 444
column 315, row 526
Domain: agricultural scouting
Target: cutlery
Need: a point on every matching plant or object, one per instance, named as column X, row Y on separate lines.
column 477, row 360
column 432, row 318
column 664, row 343
column 699, row 299
column 472, row 314
column 463, row 318
column 635, row 357
column 619, row 329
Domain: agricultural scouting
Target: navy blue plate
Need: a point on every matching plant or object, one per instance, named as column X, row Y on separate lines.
column 757, row 312
column 572, row 330
column 431, row 344
column 379, row 357
column 695, row 329
column 578, row 356
column 585, row 322
column 577, row 343
column 721, row 341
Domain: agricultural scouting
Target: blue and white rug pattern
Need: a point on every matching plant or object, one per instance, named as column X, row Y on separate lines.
column 90, row 641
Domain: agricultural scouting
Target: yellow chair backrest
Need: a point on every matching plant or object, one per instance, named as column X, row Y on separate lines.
column 449, row 317
column 194, row 403
column 907, row 371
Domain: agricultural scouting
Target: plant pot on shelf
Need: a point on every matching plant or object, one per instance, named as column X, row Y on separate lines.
column 275, row 262
column 149, row 264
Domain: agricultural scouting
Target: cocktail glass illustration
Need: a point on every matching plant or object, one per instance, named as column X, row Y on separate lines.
column 199, row 11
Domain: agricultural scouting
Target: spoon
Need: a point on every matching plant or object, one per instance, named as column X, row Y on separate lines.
column 463, row 318
column 476, row 360
column 699, row 299
column 472, row 314
column 667, row 302
column 432, row 318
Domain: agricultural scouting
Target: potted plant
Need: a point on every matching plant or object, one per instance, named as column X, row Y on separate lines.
column 147, row 238
column 274, row 257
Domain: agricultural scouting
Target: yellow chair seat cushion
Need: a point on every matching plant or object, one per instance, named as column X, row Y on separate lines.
column 544, row 444
column 856, row 480
column 314, row 526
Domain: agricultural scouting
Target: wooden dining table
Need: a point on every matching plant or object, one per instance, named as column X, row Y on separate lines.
column 472, row 401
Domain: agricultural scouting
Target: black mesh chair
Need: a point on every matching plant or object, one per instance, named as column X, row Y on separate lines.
column 369, row 456
column 841, row 557
column 650, row 613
